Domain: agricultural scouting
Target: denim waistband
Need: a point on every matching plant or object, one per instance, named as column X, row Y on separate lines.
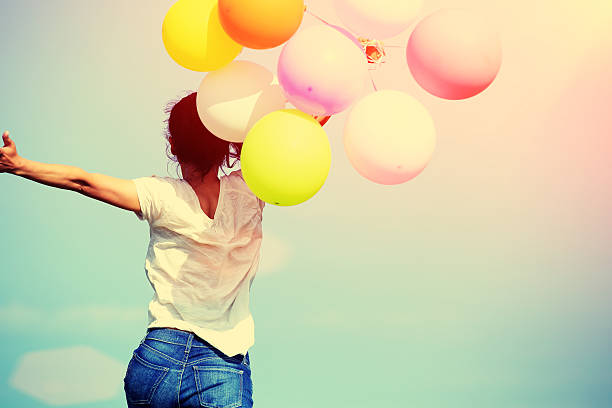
column 172, row 335
column 187, row 339
column 177, row 336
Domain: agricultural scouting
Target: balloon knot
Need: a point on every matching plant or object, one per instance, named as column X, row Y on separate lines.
column 374, row 50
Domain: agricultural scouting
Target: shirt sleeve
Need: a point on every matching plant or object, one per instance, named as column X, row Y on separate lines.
column 150, row 195
column 261, row 203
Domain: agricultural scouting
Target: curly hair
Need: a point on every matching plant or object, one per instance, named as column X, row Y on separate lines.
column 193, row 142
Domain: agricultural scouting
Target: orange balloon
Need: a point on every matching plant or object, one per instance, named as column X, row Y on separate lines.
column 261, row 24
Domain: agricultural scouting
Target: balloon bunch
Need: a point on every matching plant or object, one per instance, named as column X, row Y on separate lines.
column 389, row 137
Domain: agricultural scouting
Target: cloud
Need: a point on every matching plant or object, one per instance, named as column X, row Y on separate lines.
column 18, row 316
column 275, row 253
column 65, row 376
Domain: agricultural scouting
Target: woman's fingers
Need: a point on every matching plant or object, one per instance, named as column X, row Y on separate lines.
column 9, row 145
column 8, row 153
column 7, row 140
column 9, row 159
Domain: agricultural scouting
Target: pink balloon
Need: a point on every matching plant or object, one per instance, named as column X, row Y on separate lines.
column 349, row 35
column 454, row 54
column 321, row 71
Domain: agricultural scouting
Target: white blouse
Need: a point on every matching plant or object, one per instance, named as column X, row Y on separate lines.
column 201, row 269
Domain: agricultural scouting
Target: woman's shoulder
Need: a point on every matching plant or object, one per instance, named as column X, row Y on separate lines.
column 165, row 185
column 165, row 179
column 235, row 178
column 236, row 173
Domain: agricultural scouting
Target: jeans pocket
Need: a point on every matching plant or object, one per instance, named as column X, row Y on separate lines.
column 219, row 387
column 141, row 380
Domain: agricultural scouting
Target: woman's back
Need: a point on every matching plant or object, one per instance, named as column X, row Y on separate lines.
column 201, row 269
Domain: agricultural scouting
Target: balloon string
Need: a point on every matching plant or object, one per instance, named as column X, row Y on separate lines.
column 323, row 21
column 319, row 18
column 372, row 79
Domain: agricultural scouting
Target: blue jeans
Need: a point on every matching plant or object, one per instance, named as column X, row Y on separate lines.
column 173, row 368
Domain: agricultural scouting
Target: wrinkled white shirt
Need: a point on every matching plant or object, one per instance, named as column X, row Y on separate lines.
column 200, row 269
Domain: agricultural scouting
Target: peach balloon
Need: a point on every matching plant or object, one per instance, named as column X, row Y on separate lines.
column 389, row 137
column 232, row 99
column 377, row 19
column 454, row 54
column 322, row 71
column 261, row 24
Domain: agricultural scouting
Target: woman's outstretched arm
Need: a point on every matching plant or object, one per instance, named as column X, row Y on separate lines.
column 115, row 191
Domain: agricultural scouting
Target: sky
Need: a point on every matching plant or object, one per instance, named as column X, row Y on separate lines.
column 483, row 282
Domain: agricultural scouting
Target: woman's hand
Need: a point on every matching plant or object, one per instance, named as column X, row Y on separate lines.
column 9, row 159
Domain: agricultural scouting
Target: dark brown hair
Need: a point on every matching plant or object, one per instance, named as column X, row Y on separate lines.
column 193, row 142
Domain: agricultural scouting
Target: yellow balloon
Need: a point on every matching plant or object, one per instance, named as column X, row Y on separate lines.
column 194, row 38
column 286, row 157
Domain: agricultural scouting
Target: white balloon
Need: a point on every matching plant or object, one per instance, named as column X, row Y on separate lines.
column 389, row 137
column 232, row 99
column 377, row 19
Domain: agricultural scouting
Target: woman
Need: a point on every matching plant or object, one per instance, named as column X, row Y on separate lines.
column 203, row 254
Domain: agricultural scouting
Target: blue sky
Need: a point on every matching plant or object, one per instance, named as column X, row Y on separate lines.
column 482, row 282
